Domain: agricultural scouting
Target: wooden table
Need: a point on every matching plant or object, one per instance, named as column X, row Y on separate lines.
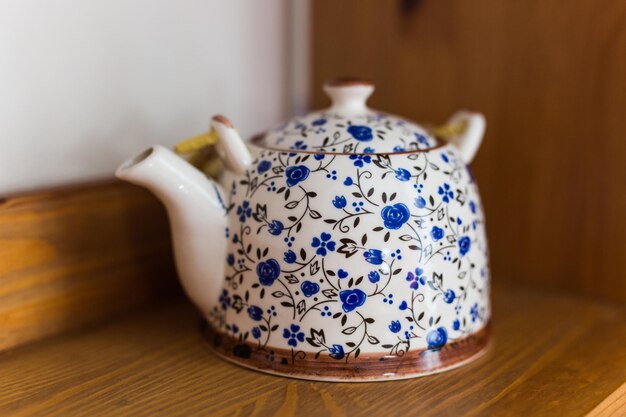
column 552, row 355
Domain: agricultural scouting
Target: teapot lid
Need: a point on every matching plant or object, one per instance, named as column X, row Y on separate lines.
column 348, row 126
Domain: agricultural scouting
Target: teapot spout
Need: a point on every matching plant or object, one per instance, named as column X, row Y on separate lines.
column 197, row 216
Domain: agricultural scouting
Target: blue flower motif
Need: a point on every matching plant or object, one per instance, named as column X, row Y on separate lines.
column 373, row 256
column 369, row 150
column 403, row 305
column 224, row 299
column 437, row 233
column 340, row 202
column 374, row 277
column 352, row 299
column 472, row 206
column 256, row 332
column 263, row 166
column 290, row 256
column 445, row 192
column 336, row 352
column 275, row 227
column 360, row 160
column 309, row 288
column 395, row 216
column 361, row 133
column 402, row 174
column 347, row 182
column 456, row 324
column 230, row 259
column 416, row 278
column 318, row 122
column 268, row 271
column 323, row 244
column 437, row 338
column 244, row 211
column 449, row 296
column 294, row 335
column 395, row 326
column 420, row 202
column 474, row 312
column 298, row 146
column 398, row 148
column 421, row 139
column 445, row 157
column 464, row 245
column 319, row 156
column 296, row 174
column 342, row 274
column 255, row 313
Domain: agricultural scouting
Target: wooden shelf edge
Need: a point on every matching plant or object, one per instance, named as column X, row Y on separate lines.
column 73, row 256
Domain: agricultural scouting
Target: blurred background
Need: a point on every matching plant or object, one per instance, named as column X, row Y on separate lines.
column 87, row 83
column 84, row 84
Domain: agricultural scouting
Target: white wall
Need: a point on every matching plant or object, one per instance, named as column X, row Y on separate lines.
column 86, row 83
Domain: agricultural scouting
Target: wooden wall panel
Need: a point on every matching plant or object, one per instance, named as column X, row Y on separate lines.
column 73, row 256
column 550, row 77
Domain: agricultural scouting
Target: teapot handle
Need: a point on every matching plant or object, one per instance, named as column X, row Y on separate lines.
column 471, row 136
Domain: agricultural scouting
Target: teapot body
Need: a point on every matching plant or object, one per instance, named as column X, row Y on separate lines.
column 338, row 260
column 344, row 245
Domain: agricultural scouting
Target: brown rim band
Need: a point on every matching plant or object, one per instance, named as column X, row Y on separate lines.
column 368, row 366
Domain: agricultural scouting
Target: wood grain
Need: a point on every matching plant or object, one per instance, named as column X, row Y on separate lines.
column 69, row 257
column 552, row 355
column 550, row 78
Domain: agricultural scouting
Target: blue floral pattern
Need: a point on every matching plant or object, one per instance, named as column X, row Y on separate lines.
column 296, row 174
column 395, row 216
column 401, row 235
column 340, row 202
column 325, row 132
column 268, row 271
column 323, row 244
column 361, row 133
column 336, row 352
column 437, row 338
column 264, row 166
column 309, row 288
column 293, row 335
column 352, row 299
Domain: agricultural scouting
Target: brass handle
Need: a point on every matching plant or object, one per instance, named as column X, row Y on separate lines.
column 194, row 144
column 200, row 152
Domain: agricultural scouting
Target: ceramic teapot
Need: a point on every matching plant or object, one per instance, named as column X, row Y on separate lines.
column 344, row 245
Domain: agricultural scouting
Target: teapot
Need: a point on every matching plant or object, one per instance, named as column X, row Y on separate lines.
column 344, row 245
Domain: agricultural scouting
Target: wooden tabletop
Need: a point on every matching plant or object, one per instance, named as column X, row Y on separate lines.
column 552, row 355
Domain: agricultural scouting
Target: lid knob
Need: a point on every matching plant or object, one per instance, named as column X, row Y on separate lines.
column 348, row 95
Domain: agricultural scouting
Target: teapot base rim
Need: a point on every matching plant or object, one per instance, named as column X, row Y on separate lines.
column 368, row 367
